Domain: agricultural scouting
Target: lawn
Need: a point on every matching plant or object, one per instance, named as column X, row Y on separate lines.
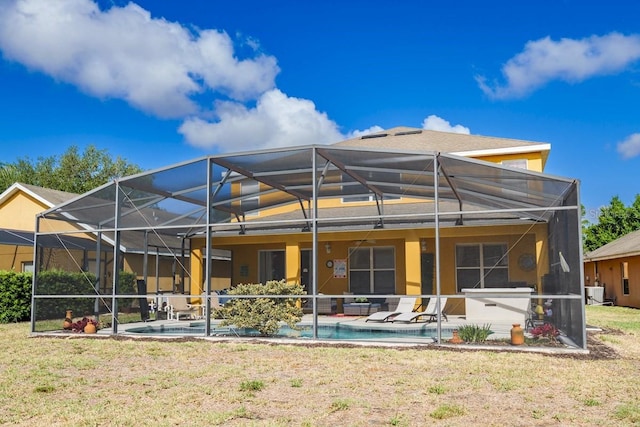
column 126, row 382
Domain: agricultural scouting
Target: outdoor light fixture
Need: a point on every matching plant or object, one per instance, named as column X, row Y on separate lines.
column 327, row 247
column 423, row 245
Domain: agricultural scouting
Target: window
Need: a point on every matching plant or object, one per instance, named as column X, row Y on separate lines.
column 367, row 198
column 372, row 270
column 518, row 163
column 27, row 267
column 250, row 203
column 624, row 273
column 482, row 265
column 271, row 265
column 371, row 197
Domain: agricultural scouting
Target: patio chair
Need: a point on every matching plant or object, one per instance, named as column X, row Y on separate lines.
column 431, row 311
column 179, row 308
column 405, row 305
column 326, row 305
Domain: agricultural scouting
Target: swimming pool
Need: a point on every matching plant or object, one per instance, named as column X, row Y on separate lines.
column 329, row 332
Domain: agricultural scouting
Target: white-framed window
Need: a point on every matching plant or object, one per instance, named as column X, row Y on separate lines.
column 372, row 270
column 249, row 204
column 27, row 266
column 624, row 274
column 516, row 163
column 481, row 265
column 271, row 265
column 366, row 198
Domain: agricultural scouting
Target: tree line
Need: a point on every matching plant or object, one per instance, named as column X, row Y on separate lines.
column 613, row 221
column 73, row 171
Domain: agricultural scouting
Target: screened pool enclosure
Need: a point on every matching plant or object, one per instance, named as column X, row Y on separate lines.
column 358, row 229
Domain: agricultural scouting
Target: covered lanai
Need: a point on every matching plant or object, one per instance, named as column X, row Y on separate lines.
column 342, row 220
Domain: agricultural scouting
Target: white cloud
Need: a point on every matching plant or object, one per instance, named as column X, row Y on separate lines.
column 434, row 122
column 568, row 60
column 630, row 147
column 276, row 121
column 357, row 133
column 153, row 64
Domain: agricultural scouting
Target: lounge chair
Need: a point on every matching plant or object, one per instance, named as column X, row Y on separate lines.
column 431, row 311
column 179, row 308
column 405, row 305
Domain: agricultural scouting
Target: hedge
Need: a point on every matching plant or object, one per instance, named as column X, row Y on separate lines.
column 15, row 294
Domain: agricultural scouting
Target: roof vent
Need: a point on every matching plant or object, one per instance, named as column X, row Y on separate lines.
column 409, row 132
column 374, row 135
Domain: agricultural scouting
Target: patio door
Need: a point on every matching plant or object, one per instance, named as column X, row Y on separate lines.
column 426, row 274
column 271, row 265
column 306, row 270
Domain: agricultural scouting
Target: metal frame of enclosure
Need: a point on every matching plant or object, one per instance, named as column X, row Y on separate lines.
column 168, row 207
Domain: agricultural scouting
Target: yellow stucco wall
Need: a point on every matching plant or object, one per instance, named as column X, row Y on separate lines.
column 535, row 162
column 408, row 244
column 19, row 212
column 12, row 257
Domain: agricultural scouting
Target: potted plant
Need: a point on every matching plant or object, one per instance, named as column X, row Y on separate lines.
column 86, row 325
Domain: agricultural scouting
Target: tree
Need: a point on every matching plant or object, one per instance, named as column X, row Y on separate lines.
column 614, row 221
column 73, row 171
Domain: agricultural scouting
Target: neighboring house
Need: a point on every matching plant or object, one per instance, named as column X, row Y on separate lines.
column 401, row 212
column 20, row 204
column 616, row 267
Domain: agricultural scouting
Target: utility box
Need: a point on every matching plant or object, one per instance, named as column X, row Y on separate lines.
column 594, row 295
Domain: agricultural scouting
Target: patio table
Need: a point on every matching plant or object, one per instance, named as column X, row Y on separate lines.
column 360, row 308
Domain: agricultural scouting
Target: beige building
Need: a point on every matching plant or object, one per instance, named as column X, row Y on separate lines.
column 612, row 272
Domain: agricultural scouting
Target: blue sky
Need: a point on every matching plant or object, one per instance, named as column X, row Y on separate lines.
column 159, row 82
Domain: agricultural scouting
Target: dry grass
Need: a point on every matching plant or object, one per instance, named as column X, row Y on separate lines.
column 55, row 382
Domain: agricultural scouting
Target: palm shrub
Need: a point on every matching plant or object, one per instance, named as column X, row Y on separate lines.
column 264, row 314
column 474, row 333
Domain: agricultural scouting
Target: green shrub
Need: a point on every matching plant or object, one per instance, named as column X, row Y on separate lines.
column 59, row 282
column 474, row 333
column 15, row 296
column 262, row 314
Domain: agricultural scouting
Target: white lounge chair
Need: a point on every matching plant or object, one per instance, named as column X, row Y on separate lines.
column 179, row 308
column 431, row 311
column 405, row 305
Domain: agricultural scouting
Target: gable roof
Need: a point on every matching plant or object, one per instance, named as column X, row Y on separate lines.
column 415, row 139
column 625, row 246
column 46, row 196
column 50, row 198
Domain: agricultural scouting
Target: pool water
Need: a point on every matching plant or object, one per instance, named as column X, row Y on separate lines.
column 329, row 332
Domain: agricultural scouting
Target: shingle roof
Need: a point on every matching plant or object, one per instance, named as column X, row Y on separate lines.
column 415, row 139
column 55, row 197
column 627, row 245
